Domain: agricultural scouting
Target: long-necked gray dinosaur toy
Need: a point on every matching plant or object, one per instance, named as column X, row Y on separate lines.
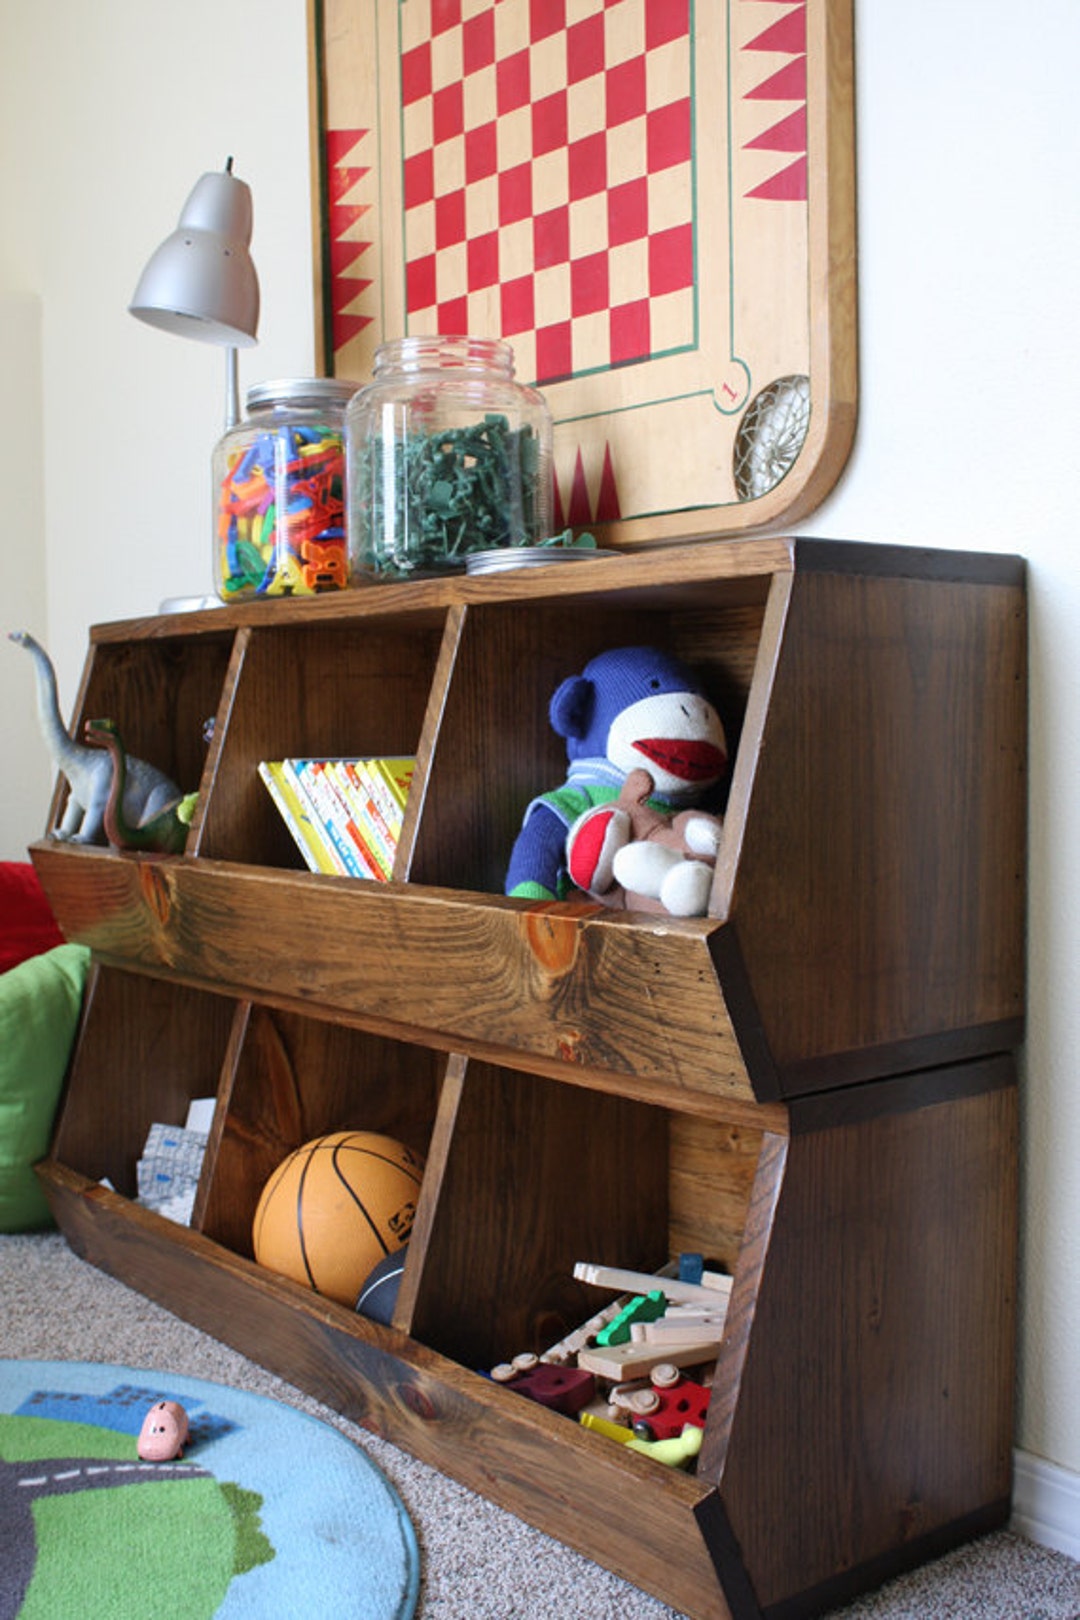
column 89, row 770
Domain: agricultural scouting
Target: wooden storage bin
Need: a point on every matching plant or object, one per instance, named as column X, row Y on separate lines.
column 811, row 1085
column 322, row 690
column 147, row 1048
column 290, row 1079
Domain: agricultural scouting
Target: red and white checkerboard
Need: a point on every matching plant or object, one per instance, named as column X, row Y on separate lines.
column 547, row 151
column 621, row 189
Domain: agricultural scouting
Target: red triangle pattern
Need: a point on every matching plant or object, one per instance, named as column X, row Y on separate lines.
column 789, row 135
column 341, row 177
column 340, row 142
column 580, row 511
column 345, row 254
column 346, row 327
column 345, row 289
column 787, row 85
column 787, row 36
column 607, row 501
column 787, row 186
column 558, row 516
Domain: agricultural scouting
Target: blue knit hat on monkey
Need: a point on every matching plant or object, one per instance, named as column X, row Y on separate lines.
column 644, row 746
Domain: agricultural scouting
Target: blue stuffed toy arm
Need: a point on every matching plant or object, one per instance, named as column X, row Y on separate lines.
column 537, row 869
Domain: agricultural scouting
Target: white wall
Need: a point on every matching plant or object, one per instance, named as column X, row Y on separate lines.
column 26, row 779
column 970, row 418
column 109, row 113
column 968, row 157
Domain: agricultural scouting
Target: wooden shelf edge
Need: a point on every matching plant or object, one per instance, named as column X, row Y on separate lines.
column 570, row 985
column 712, row 559
column 628, row 1513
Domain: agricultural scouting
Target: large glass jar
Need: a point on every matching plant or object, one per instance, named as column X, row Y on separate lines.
column 279, row 492
column 447, row 454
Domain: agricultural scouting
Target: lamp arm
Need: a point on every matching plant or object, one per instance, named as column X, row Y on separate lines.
column 232, row 388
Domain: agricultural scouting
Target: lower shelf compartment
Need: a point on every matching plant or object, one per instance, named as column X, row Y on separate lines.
column 627, row 1512
column 861, row 1409
column 861, row 1416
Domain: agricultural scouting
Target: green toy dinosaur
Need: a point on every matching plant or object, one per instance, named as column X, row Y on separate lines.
column 165, row 831
column 89, row 772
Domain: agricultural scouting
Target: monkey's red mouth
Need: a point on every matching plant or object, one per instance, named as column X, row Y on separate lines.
column 681, row 757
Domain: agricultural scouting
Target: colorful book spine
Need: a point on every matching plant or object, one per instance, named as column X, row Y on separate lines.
column 345, row 815
column 346, row 818
column 310, row 778
column 391, row 779
column 296, row 817
column 376, row 838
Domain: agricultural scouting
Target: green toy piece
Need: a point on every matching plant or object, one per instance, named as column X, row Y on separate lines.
column 165, row 831
column 648, row 1307
column 453, row 491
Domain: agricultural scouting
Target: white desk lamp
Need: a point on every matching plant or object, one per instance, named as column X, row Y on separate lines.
column 201, row 282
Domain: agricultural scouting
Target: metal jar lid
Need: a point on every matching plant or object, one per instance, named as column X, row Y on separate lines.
column 335, row 391
column 505, row 558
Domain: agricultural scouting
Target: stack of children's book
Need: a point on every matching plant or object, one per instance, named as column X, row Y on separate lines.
column 344, row 815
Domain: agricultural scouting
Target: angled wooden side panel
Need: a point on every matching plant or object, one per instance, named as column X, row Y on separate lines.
column 161, row 694
column 873, row 1423
column 877, row 902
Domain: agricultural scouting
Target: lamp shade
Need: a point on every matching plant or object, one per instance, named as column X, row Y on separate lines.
column 201, row 282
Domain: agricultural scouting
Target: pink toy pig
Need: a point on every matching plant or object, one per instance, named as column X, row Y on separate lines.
column 164, row 1432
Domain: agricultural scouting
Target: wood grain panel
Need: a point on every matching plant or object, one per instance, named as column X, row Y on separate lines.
column 629, row 1513
column 297, row 1078
column 712, row 1168
column 146, row 1050
column 879, row 895
column 575, row 984
column 540, row 1175
column 875, row 1406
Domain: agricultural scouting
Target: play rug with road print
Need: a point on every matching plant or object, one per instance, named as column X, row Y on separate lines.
column 269, row 1511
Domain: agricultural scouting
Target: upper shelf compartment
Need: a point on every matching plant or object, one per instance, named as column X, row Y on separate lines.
column 320, row 689
column 867, row 909
column 163, row 693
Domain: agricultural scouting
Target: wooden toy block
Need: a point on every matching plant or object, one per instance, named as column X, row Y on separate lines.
column 672, row 1332
column 623, row 1361
column 643, row 1282
column 560, row 1389
column 687, row 1402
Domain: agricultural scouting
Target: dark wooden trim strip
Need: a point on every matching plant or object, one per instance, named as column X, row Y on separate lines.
column 742, row 1008
column 856, row 1104
column 843, row 1588
column 907, row 562
column 723, row 1548
column 898, row 1057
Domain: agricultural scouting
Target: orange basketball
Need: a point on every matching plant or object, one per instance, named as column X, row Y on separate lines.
column 334, row 1208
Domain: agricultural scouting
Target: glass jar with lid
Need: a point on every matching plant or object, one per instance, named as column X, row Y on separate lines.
column 447, row 454
column 279, row 492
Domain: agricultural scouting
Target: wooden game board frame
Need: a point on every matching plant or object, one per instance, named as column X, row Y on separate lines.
column 798, row 287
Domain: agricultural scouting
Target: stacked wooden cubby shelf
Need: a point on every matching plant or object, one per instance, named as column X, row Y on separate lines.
column 813, row 1085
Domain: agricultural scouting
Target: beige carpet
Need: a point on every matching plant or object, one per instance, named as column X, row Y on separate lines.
column 479, row 1563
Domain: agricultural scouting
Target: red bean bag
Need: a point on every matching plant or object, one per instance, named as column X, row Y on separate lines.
column 27, row 925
